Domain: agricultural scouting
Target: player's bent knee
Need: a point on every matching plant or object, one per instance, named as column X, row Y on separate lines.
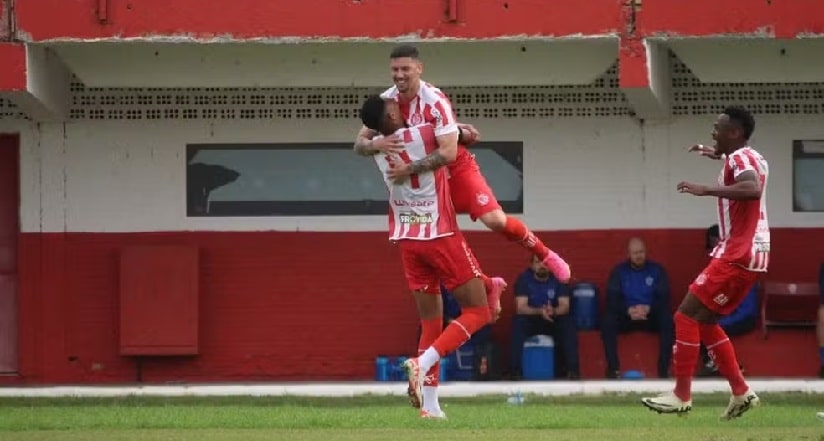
column 470, row 294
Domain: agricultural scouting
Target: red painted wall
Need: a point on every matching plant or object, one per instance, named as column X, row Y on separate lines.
column 13, row 73
column 314, row 18
column 782, row 19
column 287, row 306
column 424, row 18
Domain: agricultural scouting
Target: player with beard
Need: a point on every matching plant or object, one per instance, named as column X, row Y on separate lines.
column 420, row 103
column 422, row 221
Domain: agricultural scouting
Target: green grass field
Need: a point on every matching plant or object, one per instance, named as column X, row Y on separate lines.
column 620, row 418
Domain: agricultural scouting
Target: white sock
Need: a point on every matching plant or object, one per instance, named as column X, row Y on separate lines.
column 428, row 359
column 430, row 399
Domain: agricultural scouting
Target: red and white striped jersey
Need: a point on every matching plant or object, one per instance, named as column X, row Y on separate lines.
column 431, row 106
column 420, row 208
column 743, row 227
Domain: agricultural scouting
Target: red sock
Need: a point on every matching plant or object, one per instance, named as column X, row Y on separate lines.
column 720, row 350
column 459, row 330
column 430, row 331
column 516, row 231
column 685, row 354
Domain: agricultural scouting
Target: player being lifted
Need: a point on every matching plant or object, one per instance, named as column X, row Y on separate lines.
column 423, row 103
column 422, row 221
column 738, row 259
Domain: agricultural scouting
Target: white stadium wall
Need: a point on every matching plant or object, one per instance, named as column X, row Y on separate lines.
column 579, row 173
column 118, row 164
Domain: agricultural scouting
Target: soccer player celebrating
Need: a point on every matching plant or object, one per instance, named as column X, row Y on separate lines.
column 423, row 103
column 422, row 221
column 738, row 259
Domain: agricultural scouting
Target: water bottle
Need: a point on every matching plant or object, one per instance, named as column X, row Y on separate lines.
column 516, row 400
column 382, row 369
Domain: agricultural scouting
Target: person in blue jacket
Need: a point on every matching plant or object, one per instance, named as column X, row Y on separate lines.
column 743, row 320
column 638, row 299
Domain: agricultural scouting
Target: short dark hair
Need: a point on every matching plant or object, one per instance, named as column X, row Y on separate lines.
column 371, row 112
column 404, row 51
column 743, row 118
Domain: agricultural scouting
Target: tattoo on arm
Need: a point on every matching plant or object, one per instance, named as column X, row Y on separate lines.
column 363, row 143
column 431, row 162
column 363, row 147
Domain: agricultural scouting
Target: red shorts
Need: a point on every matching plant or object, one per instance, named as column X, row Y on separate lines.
column 722, row 286
column 447, row 260
column 470, row 192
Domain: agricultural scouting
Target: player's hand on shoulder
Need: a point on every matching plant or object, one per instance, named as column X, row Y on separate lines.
column 694, row 189
column 705, row 150
column 388, row 144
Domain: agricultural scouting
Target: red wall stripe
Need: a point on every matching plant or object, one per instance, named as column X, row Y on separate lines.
column 312, row 305
column 13, row 72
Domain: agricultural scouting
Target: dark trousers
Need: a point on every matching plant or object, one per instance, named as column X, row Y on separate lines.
column 658, row 321
column 732, row 329
column 563, row 331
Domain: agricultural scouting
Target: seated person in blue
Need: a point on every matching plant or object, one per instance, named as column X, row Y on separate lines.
column 638, row 299
column 542, row 308
column 741, row 321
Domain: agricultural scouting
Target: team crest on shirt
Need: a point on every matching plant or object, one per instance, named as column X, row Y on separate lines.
column 436, row 115
column 649, row 280
column 415, row 119
column 482, row 199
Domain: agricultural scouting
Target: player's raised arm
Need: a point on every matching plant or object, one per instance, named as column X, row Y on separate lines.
column 366, row 145
column 705, row 151
column 363, row 142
